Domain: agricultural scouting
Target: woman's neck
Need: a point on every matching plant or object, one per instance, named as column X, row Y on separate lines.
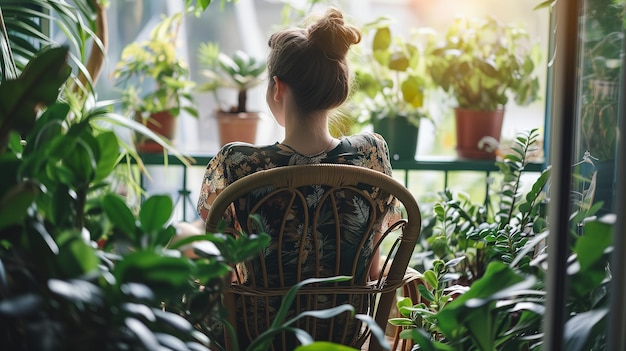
column 308, row 134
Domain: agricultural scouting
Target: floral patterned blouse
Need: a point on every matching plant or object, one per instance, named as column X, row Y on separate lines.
column 236, row 160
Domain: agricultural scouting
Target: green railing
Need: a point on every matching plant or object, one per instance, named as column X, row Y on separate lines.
column 402, row 171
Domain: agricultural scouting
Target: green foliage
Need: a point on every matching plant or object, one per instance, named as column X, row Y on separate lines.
column 56, row 206
column 473, row 247
column 476, row 312
column 488, row 316
column 436, row 293
column 391, row 73
column 240, row 248
column 497, row 229
column 498, row 256
column 18, row 107
column 239, row 71
column 77, row 20
column 199, row 6
column 156, row 63
column 73, row 256
column 26, row 36
column 518, row 216
column 503, row 309
column 482, row 61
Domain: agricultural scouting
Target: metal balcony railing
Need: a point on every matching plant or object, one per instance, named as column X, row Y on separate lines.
column 403, row 171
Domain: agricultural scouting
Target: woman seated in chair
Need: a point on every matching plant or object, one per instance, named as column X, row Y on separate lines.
column 308, row 79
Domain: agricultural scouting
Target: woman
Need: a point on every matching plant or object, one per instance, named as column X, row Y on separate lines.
column 308, row 78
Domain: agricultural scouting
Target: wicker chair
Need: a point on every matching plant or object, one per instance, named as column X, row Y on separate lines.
column 249, row 304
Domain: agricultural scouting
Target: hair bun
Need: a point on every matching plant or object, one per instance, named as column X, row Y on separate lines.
column 332, row 36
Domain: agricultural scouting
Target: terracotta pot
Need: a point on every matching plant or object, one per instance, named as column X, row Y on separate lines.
column 474, row 128
column 161, row 123
column 237, row 126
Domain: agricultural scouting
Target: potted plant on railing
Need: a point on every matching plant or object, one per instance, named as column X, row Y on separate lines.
column 481, row 62
column 156, row 82
column 392, row 83
column 240, row 72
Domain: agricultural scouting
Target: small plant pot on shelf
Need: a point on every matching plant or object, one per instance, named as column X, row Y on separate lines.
column 161, row 123
column 478, row 133
column 401, row 136
column 240, row 126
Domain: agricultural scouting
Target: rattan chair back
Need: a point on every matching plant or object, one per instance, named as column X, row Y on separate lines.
column 252, row 303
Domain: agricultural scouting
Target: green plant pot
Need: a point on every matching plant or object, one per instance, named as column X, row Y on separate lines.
column 401, row 137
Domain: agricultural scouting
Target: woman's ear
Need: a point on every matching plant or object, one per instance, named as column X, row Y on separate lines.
column 279, row 89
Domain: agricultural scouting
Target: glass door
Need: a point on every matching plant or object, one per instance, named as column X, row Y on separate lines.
column 600, row 62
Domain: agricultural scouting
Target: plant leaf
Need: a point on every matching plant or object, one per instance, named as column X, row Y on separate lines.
column 155, row 213
column 117, row 211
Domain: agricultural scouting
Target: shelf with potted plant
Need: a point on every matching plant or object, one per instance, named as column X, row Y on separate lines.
column 481, row 63
column 156, row 83
column 391, row 81
column 240, row 72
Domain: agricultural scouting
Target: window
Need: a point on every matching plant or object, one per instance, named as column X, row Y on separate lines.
column 247, row 25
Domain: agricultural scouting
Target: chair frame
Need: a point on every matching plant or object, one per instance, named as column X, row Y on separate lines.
column 334, row 176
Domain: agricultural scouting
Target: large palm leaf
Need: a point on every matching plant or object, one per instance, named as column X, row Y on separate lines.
column 26, row 29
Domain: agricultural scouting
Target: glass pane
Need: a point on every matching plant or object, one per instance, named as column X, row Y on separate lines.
column 600, row 63
column 246, row 25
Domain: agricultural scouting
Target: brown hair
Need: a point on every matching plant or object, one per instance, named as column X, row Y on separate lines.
column 312, row 61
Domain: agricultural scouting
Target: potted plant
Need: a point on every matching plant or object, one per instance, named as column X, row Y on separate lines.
column 240, row 72
column 391, row 83
column 481, row 63
column 156, row 81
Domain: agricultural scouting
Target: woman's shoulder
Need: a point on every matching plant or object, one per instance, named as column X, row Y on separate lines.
column 243, row 156
column 242, row 148
column 365, row 139
column 372, row 150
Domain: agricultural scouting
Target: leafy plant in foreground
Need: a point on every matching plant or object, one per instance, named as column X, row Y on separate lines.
column 503, row 309
column 489, row 316
column 497, row 229
column 59, row 290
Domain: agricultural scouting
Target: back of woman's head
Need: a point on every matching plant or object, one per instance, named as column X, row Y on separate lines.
column 312, row 61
